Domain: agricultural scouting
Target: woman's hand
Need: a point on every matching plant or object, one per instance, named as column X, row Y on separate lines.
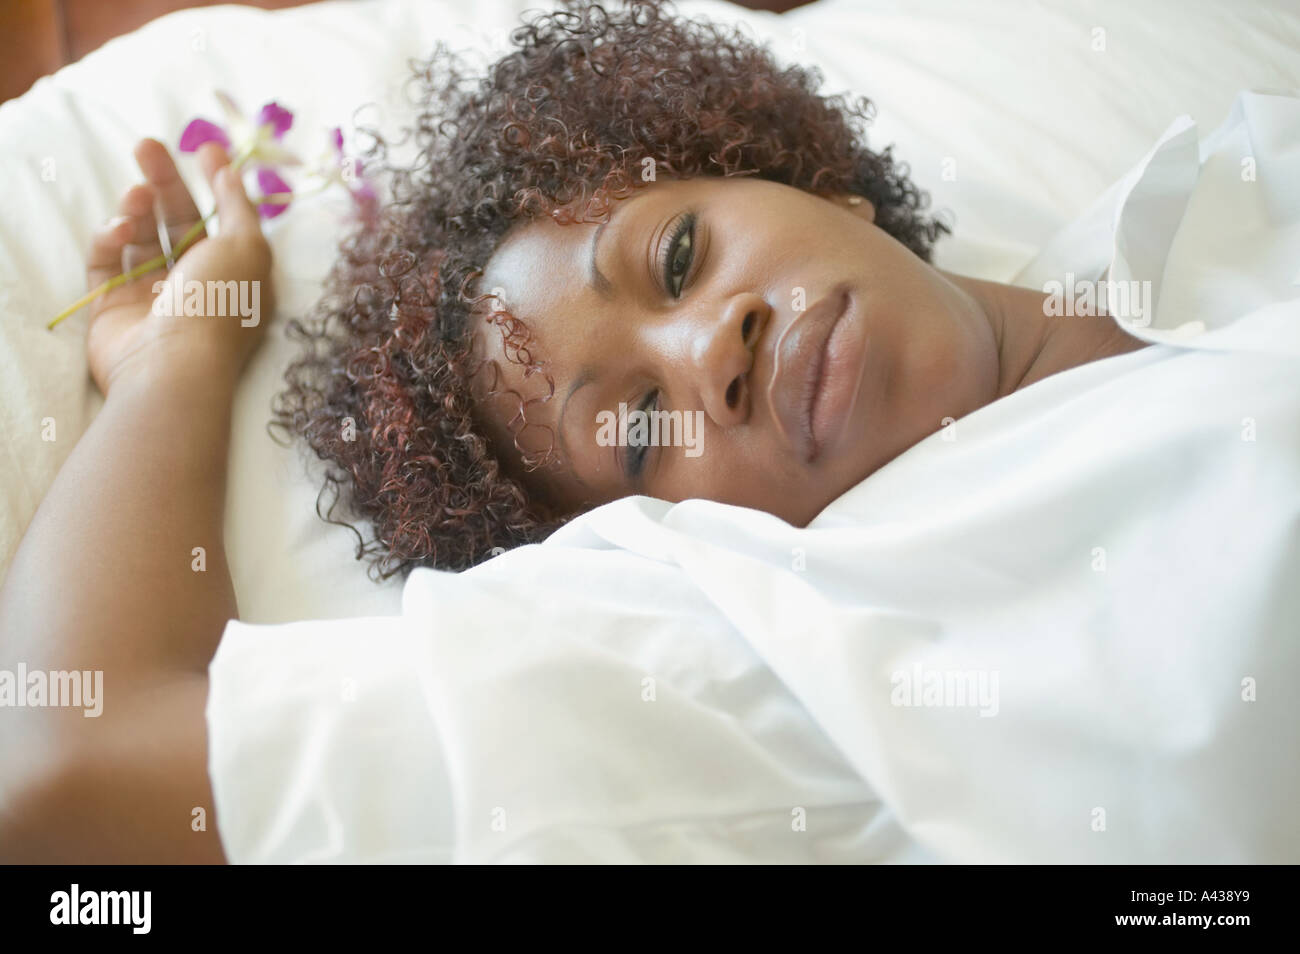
column 128, row 334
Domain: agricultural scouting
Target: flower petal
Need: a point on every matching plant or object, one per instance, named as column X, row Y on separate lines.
column 270, row 153
column 275, row 116
column 200, row 131
column 228, row 105
column 236, row 122
column 336, row 137
column 270, row 183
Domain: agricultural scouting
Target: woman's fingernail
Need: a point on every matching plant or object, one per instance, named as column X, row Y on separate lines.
column 117, row 221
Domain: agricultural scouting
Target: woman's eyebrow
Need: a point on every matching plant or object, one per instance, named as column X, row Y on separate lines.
column 603, row 286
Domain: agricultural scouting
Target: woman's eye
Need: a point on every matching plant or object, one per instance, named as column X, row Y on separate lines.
column 679, row 250
column 637, row 452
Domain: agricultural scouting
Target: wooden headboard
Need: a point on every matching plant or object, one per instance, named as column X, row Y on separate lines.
column 39, row 36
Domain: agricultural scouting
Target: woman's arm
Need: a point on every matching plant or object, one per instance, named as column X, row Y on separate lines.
column 123, row 568
column 103, row 581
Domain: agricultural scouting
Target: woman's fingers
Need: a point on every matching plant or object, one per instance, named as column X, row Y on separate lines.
column 137, row 203
column 131, row 238
column 234, row 210
column 176, row 205
column 211, row 158
column 104, row 260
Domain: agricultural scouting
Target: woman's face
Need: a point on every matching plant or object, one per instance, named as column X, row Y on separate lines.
column 769, row 348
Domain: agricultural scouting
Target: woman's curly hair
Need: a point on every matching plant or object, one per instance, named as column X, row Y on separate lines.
column 558, row 126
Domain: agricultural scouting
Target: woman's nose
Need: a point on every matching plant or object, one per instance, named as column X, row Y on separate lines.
column 723, row 353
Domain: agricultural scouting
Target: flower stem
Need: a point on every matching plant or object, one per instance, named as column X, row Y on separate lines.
column 144, row 268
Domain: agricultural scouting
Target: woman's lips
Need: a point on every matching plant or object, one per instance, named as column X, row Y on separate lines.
column 811, row 391
column 843, row 366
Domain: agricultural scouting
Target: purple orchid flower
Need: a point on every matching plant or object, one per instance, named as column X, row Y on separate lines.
column 256, row 143
column 269, row 181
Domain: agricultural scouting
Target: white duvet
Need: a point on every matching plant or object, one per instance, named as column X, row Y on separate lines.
column 1063, row 629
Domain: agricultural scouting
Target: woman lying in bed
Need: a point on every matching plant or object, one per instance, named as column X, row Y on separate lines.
column 630, row 214
column 761, row 273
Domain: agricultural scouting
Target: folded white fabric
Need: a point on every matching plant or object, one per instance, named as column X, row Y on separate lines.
column 1062, row 629
column 337, row 756
column 504, row 719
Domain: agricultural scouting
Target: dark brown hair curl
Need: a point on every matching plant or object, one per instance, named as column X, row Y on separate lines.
column 558, row 126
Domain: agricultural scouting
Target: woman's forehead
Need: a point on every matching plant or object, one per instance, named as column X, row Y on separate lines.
column 535, row 267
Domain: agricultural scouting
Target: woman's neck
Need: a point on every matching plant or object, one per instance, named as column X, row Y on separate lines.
column 1032, row 344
